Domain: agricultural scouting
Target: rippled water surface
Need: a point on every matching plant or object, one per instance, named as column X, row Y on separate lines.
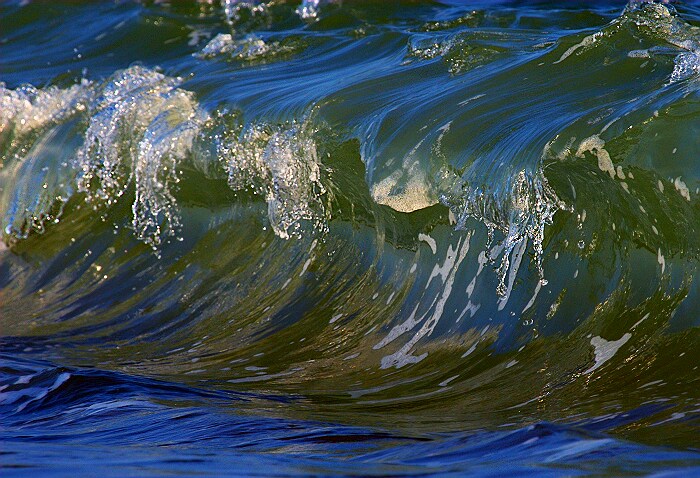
column 372, row 238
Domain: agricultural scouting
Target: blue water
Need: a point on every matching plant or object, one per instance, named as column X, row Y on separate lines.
column 97, row 422
column 357, row 238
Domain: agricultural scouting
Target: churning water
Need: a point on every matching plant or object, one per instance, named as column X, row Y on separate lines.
column 358, row 238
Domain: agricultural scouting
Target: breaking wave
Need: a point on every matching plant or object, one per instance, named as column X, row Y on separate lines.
column 371, row 231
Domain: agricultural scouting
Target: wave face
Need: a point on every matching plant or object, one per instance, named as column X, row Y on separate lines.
column 356, row 238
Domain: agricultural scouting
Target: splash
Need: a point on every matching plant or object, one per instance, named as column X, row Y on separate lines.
column 522, row 215
column 280, row 164
column 309, row 9
column 461, row 52
column 140, row 126
column 246, row 14
column 249, row 48
column 27, row 109
column 30, row 135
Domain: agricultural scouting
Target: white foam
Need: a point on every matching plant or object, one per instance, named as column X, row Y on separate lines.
column 681, row 188
column 661, row 260
column 606, row 349
column 585, row 43
column 411, row 196
column 596, row 145
column 517, row 256
column 447, row 381
column 531, row 302
column 639, row 54
column 470, row 350
column 470, row 308
column 449, row 270
column 646, row 316
column 428, row 240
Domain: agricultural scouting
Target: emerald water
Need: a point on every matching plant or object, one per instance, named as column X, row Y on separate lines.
column 358, row 238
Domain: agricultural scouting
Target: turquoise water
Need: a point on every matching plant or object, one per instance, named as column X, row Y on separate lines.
column 349, row 238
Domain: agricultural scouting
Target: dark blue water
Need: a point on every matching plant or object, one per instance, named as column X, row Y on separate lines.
column 96, row 422
column 357, row 238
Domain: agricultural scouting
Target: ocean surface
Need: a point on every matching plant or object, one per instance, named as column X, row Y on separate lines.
column 357, row 238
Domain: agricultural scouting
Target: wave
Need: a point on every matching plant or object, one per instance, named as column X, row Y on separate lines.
column 419, row 217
